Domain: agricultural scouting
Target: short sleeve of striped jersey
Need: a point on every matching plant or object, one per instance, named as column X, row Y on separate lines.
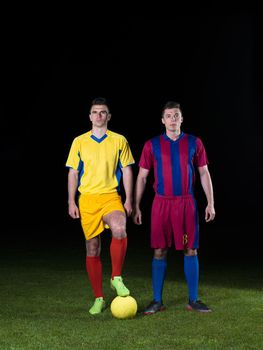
column 73, row 160
column 200, row 157
column 126, row 157
column 146, row 160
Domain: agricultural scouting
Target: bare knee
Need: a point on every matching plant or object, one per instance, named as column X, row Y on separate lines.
column 118, row 227
column 117, row 224
column 160, row 254
column 93, row 247
column 118, row 231
column 190, row 252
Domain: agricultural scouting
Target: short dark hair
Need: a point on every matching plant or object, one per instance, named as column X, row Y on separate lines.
column 99, row 101
column 171, row 104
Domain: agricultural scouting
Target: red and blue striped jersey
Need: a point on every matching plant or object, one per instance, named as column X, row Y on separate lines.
column 173, row 162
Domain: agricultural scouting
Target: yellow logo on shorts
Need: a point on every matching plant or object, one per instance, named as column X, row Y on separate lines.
column 185, row 239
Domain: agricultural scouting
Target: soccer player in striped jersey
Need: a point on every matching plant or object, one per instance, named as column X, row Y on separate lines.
column 174, row 156
column 97, row 160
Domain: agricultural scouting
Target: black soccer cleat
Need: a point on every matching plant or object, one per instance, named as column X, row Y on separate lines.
column 154, row 307
column 198, row 306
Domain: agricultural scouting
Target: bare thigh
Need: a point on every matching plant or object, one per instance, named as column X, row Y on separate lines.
column 116, row 220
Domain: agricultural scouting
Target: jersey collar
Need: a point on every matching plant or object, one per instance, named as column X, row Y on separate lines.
column 99, row 140
column 168, row 138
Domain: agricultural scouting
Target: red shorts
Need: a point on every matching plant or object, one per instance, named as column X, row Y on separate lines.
column 174, row 219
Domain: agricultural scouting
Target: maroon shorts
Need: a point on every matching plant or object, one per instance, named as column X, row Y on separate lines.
column 174, row 220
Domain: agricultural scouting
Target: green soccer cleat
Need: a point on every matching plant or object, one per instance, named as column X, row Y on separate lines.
column 118, row 285
column 98, row 306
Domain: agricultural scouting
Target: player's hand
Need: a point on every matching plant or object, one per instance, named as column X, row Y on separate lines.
column 128, row 208
column 137, row 216
column 209, row 213
column 73, row 210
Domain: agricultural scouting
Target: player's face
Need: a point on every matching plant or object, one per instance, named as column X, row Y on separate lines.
column 99, row 115
column 172, row 119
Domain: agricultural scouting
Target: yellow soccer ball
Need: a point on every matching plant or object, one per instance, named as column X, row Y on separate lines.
column 124, row 307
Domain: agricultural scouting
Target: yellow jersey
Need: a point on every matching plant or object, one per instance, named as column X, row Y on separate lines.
column 99, row 161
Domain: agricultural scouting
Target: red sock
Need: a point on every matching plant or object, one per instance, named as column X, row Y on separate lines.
column 118, row 250
column 94, row 269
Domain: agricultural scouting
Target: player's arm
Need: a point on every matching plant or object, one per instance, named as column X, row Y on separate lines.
column 128, row 186
column 208, row 189
column 73, row 210
column 139, row 190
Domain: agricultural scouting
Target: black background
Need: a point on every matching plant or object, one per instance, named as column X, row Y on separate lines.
column 210, row 63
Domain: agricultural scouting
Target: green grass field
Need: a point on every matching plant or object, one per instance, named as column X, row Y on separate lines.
column 45, row 296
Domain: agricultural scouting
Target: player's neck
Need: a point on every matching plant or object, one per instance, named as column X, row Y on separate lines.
column 99, row 132
column 173, row 135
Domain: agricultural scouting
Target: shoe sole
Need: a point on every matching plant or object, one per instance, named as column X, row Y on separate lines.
column 189, row 308
column 97, row 313
column 152, row 313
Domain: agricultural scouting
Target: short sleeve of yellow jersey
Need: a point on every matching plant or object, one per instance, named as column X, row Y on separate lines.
column 126, row 157
column 74, row 160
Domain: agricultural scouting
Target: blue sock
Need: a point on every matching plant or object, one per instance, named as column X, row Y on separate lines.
column 191, row 270
column 159, row 267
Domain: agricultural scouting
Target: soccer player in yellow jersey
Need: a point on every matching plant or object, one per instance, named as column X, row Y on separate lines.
column 97, row 161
